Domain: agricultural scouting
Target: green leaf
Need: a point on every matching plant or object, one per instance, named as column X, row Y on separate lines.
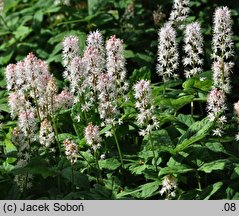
column 22, row 32
column 79, row 179
column 129, row 54
column 214, row 165
column 149, row 189
column 110, row 164
column 235, row 174
column 9, row 4
column 138, row 74
column 215, row 147
column 193, row 84
column 64, row 136
column 177, row 169
column 143, row 59
column 176, row 104
column 195, row 132
column 105, row 129
column 186, row 119
column 143, row 191
column 11, row 160
column 95, row 5
column 39, row 166
column 9, row 147
column 210, row 190
column 7, row 167
column 6, row 57
column 3, row 101
column 138, row 169
column 37, row 19
column 99, row 192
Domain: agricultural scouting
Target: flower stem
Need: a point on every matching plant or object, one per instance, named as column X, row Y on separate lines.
column 56, row 134
column 98, row 166
column 155, row 161
column 192, row 108
column 72, row 178
column 118, row 147
column 37, row 105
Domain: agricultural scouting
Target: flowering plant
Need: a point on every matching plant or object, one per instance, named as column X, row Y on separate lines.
column 118, row 101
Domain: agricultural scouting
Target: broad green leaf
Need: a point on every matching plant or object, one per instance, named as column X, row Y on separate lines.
column 176, row 103
column 129, row 54
column 6, row 57
column 195, row 132
column 22, row 32
column 38, row 165
column 138, row 74
column 186, row 119
column 11, row 160
column 210, row 190
column 149, row 189
column 10, row 4
column 177, row 169
column 7, row 167
column 143, row 191
column 201, row 82
column 9, row 147
column 95, row 5
column 214, row 165
column 142, row 58
column 235, row 174
column 215, row 146
column 110, row 164
column 105, row 129
column 138, row 169
column 99, row 192
column 79, row 179
column 64, row 136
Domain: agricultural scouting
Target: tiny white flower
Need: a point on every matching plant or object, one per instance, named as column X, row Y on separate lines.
column 217, row 132
column 102, row 157
column 108, row 134
column 78, row 118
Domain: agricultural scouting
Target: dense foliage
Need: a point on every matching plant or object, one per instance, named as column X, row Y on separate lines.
column 105, row 99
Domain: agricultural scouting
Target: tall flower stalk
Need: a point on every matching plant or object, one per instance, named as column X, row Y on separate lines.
column 71, row 152
column 222, row 47
column 236, row 108
column 167, row 53
column 145, row 116
column 179, row 12
column 193, row 49
column 93, row 139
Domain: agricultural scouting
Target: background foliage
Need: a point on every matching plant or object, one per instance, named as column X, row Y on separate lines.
column 206, row 167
